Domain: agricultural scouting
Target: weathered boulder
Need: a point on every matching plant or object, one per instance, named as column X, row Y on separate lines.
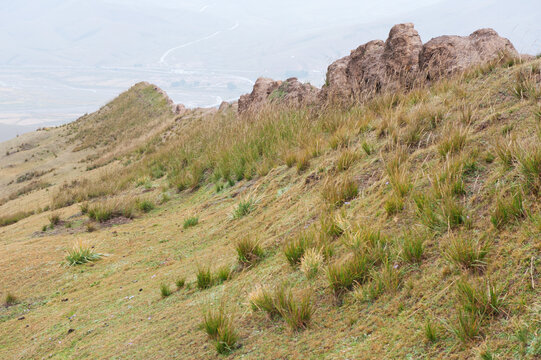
column 445, row 55
column 401, row 55
column 290, row 92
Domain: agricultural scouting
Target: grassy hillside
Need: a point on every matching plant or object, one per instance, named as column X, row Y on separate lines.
column 406, row 226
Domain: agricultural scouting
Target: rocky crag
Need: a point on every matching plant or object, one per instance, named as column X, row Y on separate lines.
column 378, row 65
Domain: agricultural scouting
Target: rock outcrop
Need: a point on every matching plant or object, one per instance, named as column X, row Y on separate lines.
column 445, row 55
column 376, row 65
column 290, row 92
column 398, row 62
column 179, row 109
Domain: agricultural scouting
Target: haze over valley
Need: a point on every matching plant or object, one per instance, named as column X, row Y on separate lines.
column 66, row 58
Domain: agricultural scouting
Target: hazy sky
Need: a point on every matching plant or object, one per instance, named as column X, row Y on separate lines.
column 62, row 58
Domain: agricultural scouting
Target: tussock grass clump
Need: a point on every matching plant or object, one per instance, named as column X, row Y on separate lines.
column 412, row 248
column 449, row 182
column 506, row 150
column 190, row 222
column 54, row 219
column 529, row 159
column 10, row 299
column 204, row 278
column 295, row 248
column 222, row 274
column 387, row 279
column 393, row 205
column 480, row 299
column 342, row 276
column 165, row 290
column 332, row 225
column 180, row 283
column 290, row 159
column 430, row 332
column 260, row 299
column 507, row 210
column 337, row 192
column 249, row 252
column 145, row 205
column 243, row 208
column 303, row 161
column 227, row 339
column 370, row 243
column 398, row 175
column 526, row 85
column 440, row 214
column 467, row 252
column 340, row 139
column 311, row 262
column 90, row 227
column 346, row 160
column 467, row 326
column 81, row 254
column 453, row 141
column 367, row 147
column 219, row 328
column 108, row 209
column 295, row 310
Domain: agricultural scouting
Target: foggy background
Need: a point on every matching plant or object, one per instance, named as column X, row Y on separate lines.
column 63, row 58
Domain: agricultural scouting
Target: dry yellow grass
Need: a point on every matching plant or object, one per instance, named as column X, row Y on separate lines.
column 113, row 307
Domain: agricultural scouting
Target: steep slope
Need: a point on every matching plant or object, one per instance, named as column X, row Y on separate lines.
column 433, row 191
